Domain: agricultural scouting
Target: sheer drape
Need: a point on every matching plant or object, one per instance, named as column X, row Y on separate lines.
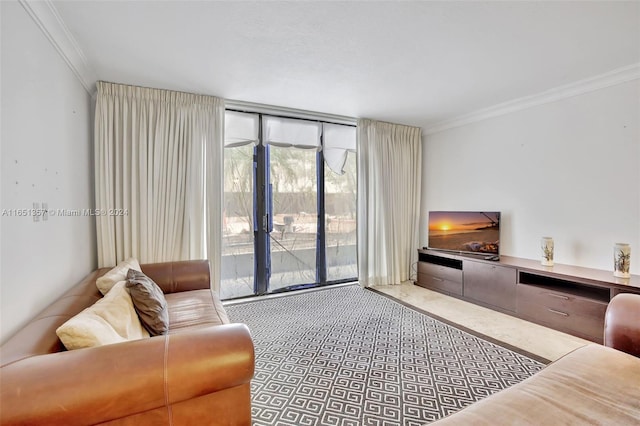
column 158, row 172
column 389, row 176
column 338, row 141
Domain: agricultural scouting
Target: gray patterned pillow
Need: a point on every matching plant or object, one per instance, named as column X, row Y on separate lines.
column 149, row 302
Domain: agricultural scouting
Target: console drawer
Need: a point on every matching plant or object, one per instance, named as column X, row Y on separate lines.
column 440, row 284
column 562, row 311
column 560, row 301
column 444, row 272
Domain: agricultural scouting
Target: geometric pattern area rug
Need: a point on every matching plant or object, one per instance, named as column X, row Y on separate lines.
column 349, row 356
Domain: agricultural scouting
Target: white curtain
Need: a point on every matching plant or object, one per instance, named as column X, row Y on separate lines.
column 292, row 133
column 389, row 176
column 339, row 140
column 158, row 175
column 240, row 129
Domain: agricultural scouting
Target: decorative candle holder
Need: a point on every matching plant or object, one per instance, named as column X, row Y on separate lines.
column 547, row 251
column 621, row 260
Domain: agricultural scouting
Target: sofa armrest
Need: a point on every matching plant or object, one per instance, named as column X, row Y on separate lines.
column 89, row 386
column 174, row 277
column 622, row 323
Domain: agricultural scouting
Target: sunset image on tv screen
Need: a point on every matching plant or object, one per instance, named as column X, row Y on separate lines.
column 465, row 231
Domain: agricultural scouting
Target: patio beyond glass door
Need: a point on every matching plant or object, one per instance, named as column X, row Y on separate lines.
column 293, row 233
column 238, row 241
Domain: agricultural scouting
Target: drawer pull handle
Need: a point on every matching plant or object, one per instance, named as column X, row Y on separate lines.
column 559, row 296
column 564, row 314
column 437, row 279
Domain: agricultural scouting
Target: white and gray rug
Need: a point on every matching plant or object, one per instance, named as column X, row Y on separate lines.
column 350, row 356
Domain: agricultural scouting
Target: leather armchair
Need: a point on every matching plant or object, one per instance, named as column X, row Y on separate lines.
column 622, row 323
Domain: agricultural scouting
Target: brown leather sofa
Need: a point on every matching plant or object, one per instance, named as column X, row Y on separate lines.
column 593, row 385
column 198, row 374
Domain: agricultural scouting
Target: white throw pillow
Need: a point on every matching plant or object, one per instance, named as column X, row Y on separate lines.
column 112, row 319
column 117, row 274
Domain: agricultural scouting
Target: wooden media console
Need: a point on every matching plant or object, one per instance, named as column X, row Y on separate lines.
column 567, row 298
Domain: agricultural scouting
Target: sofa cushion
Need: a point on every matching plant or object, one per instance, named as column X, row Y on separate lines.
column 195, row 309
column 117, row 274
column 592, row 385
column 111, row 319
column 149, row 302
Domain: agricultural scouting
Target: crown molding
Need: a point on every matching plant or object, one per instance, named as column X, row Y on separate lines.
column 611, row 78
column 47, row 18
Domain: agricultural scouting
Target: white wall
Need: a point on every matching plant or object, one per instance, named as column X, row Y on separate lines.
column 46, row 156
column 569, row 169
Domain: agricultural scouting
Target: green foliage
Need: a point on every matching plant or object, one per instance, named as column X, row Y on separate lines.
column 622, row 261
column 547, row 252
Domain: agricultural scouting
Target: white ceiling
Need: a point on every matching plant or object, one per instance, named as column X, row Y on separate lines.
column 411, row 62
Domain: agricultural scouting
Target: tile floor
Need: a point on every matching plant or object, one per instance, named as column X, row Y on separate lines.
column 542, row 341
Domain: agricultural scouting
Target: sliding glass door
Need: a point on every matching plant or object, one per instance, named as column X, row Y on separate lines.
column 340, row 223
column 293, row 200
column 289, row 217
column 239, row 218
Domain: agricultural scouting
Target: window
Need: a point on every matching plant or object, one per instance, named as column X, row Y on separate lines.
column 289, row 204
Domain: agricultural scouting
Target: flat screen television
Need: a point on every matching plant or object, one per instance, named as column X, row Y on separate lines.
column 465, row 232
